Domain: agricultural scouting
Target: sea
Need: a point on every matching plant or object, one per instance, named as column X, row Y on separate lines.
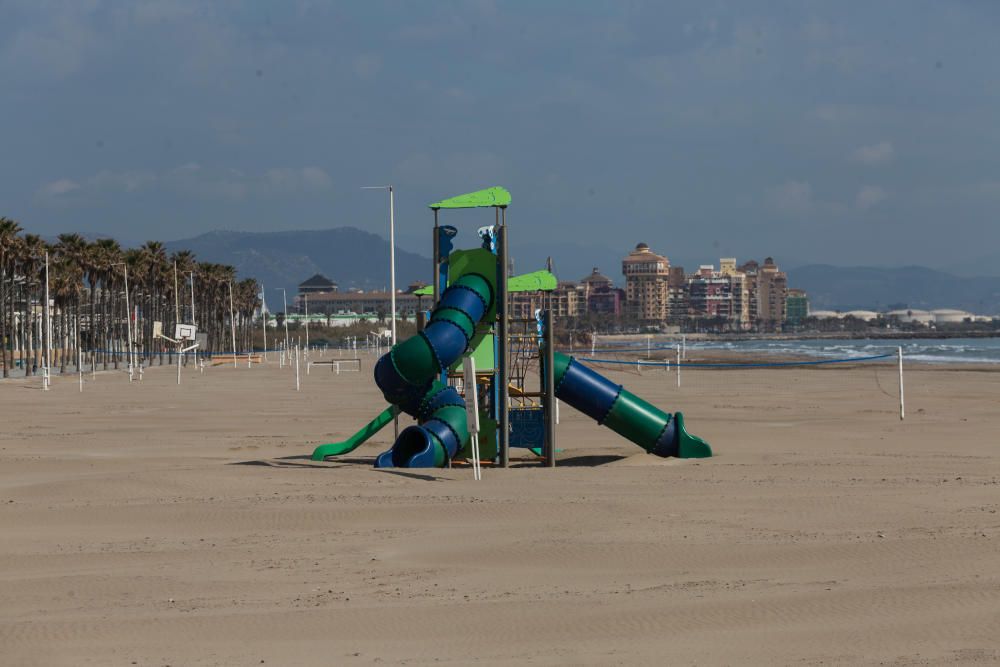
column 925, row 350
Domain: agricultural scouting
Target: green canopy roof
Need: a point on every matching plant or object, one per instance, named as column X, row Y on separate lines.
column 495, row 196
column 529, row 282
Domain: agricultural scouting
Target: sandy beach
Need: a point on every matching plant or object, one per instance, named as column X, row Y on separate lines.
column 152, row 524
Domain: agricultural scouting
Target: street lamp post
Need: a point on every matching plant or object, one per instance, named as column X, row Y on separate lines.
column 191, row 274
column 128, row 321
column 284, row 305
column 232, row 321
column 392, row 269
column 263, row 315
column 392, row 251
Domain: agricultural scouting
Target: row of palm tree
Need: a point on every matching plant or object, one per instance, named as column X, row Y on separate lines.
column 89, row 319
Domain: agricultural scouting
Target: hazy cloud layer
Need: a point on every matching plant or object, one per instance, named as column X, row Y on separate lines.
column 843, row 132
column 879, row 153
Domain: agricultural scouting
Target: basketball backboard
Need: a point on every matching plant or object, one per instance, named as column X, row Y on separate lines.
column 185, row 331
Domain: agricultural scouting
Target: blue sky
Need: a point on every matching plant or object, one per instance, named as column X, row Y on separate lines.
column 840, row 132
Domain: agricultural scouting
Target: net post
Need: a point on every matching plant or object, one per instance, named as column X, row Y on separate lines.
column 678, row 366
column 902, row 405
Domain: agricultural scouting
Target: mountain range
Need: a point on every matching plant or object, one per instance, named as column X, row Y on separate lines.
column 349, row 256
column 356, row 258
column 880, row 288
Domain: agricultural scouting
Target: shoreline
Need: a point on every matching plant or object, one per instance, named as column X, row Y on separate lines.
column 815, row 335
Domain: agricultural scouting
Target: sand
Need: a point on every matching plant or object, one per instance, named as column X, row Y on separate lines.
column 151, row 524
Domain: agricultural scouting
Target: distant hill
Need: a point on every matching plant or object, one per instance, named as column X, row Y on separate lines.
column 349, row 256
column 356, row 258
column 876, row 288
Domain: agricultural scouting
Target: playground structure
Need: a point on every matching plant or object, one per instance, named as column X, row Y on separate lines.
column 422, row 376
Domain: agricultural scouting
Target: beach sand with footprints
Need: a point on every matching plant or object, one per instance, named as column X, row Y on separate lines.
column 152, row 524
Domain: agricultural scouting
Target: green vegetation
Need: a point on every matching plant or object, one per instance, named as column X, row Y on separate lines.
column 87, row 292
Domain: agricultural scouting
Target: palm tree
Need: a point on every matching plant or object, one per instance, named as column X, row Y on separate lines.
column 73, row 249
column 65, row 286
column 32, row 263
column 152, row 274
column 78, row 268
column 108, row 253
column 9, row 242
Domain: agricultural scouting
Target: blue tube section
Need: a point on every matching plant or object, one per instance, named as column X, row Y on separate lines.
column 396, row 389
column 588, row 392
column 447, row 341
column 464, row 299
column 434, row 441
column 668, row 444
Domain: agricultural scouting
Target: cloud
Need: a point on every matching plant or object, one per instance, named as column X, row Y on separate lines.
column 879, row 153
column 121, row 181
column 58, row 188
column 189, row 180
column 869, row 196
column 55, row 47
column 366, row 66
column 793, row 197
column 468, row 168
column 284, row 180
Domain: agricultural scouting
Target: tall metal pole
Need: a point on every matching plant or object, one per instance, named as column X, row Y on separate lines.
column 392, row 259
column 550, row 387
column 902, row 409
column 128, row 326
column 263, row 316
column 193, row 320
column 48, row 330
column 284, row 305
column 232, row 321
column 504, row 343
column 177, row 320
column 305, row 298
column 392, row 282
column 177, row 302
column 435, row 293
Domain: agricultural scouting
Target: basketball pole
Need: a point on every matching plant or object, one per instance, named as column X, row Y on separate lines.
column 232, row 321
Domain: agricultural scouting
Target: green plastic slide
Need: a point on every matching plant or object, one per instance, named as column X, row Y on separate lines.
column 383, row 419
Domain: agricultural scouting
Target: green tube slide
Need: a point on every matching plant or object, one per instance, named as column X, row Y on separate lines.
column 408, row 373
column 383, row 419
column 625, row 413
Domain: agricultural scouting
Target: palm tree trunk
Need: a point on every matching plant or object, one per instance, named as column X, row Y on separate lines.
column 10, row 320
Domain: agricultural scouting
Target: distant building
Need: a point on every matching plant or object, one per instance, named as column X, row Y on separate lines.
column 600, row 294
column 333, row 303
column 318, row 283
column 796, row 307
column 863, row 315
column 719, row 296
column 767, row 290
column 678, row 301
column 647, row 288
column 951, row 316
column 568, row 299
column 910, row 316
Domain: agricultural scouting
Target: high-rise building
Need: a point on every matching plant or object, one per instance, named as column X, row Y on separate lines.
column 719, row 296
column 768, row 289
column 568, row 300
column 677, row 296
column 646, row 285
column 796, row 306
column 601, row 295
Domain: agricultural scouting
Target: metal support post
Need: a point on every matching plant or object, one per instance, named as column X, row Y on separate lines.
column 549, row 444
column 503, row 348
column 902, row 408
